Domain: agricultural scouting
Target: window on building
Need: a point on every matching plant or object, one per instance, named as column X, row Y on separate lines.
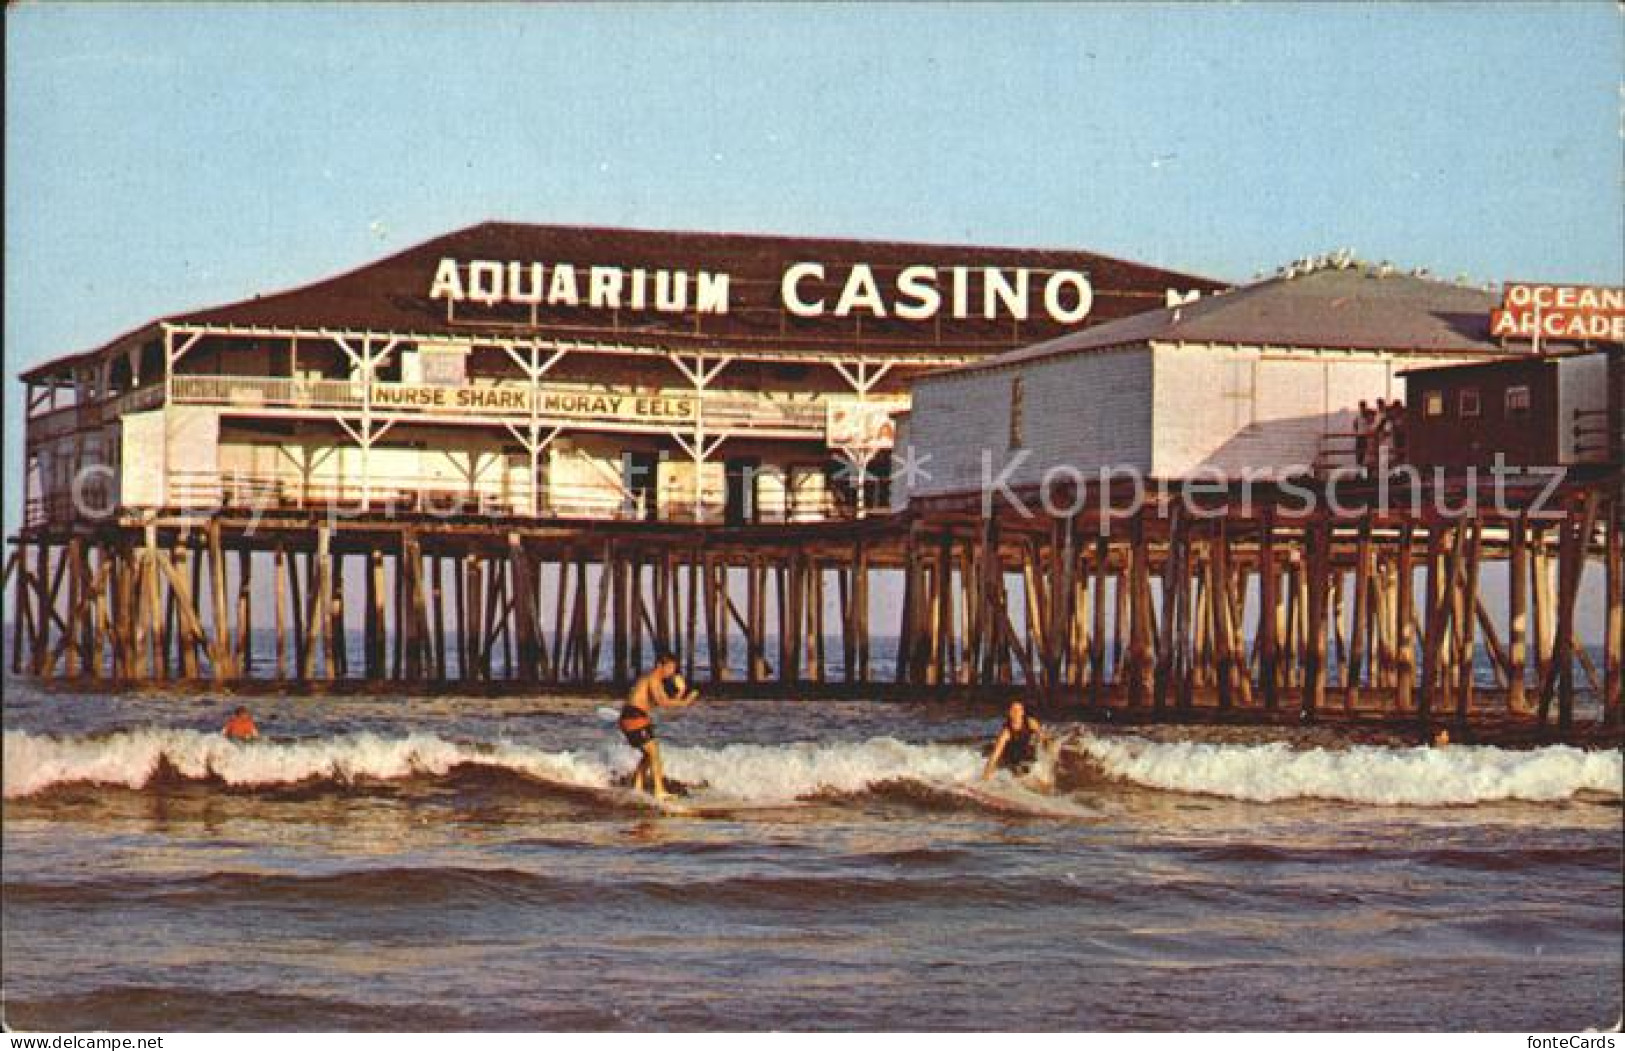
column 1433, row 404
column 1517, row 401
column 1468, row 404
column 1018, row 412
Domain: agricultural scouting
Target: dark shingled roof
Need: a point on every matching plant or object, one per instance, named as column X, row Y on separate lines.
column 392, row 294
column 1359, row 307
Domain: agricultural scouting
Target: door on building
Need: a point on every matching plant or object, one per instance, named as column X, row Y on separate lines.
column 639, row 479
column 740, row 507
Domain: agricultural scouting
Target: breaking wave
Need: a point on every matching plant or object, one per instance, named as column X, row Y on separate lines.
column 752, row 773
column 933, row 775
column 1268, row 773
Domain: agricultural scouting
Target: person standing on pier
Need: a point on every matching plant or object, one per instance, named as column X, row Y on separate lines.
column 637, row 724
column 1016, row 747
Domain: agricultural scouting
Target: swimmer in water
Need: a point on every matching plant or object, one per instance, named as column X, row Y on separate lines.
column 1016, row 747
column 240, row 727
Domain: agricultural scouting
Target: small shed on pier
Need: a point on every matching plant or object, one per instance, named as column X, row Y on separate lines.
column 1546, row 410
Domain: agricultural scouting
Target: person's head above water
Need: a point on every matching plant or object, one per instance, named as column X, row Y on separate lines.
column 241, row 712
column 1016, row 715
column 666, row 663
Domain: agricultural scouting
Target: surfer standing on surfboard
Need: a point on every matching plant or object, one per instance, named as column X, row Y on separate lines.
column 1016, row 747
column 649, row 692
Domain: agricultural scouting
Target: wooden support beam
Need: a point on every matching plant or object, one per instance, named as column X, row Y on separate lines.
column 1173, row 596
column 1575, row 533
column 279, row 601
column 437, row 585
column 244, row 655
column 474, row 630
column 1268, row 630
column 619, row 620
column 1097, row 650
column 1517, row 613
column 1614, row 612
column 220, row 655
column 1405, row 614
column 21, row 617
column 1354, row 665
column 1317, row 539
column 606, row 582
column 185, row 643
column 1467, row 603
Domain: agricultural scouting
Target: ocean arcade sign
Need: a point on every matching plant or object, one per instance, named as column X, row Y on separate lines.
column 916, row 292
column 1560, row 312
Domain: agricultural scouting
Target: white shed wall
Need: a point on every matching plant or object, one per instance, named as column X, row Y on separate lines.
column 1582, row 387
column 1088, row 412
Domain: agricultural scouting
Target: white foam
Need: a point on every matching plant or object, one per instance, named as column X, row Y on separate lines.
column 761, row 773
column 784, row 772
column 1266, row 773
column 131, row 758
column 757, row 773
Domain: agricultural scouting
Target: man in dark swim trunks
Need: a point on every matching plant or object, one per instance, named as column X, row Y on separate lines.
column 649, row 692
column 1016, row 747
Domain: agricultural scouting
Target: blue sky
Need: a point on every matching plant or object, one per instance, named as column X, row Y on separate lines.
column 166, row 157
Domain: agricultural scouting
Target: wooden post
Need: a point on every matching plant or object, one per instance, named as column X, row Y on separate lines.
column 220, row 652
column 438, row 583
column 1269, row 614
column 1354, row 666
column 1440, row 577
column 1468, row 601
column 1576, row 539
column 1173, row 590
column 619, row 617
column 474, row 627
column 815, row 571
column 279, row 601
column 1544, row 595
column 1405, row 620
column 1318, row 539
column 1517, row 613
column 245, row 610
column 179, row 593
column 1614, row 613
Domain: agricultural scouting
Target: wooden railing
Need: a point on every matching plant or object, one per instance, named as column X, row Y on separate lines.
column 57, row 423
column 270, row 392
column 61, row 422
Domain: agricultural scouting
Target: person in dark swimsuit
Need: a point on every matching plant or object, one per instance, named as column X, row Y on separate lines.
column 1016, row 747
column 637, row 725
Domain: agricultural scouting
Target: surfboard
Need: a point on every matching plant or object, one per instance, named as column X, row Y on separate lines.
column 1023, row 802
column 691, row 807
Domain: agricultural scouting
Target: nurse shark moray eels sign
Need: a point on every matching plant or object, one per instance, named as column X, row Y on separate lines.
column 914, row 292
column 517, row 400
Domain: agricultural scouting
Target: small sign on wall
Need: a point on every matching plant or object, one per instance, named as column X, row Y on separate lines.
column 443, row 366
column 860, row 426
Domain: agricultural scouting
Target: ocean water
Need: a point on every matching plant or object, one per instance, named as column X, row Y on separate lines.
column 465, row 863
